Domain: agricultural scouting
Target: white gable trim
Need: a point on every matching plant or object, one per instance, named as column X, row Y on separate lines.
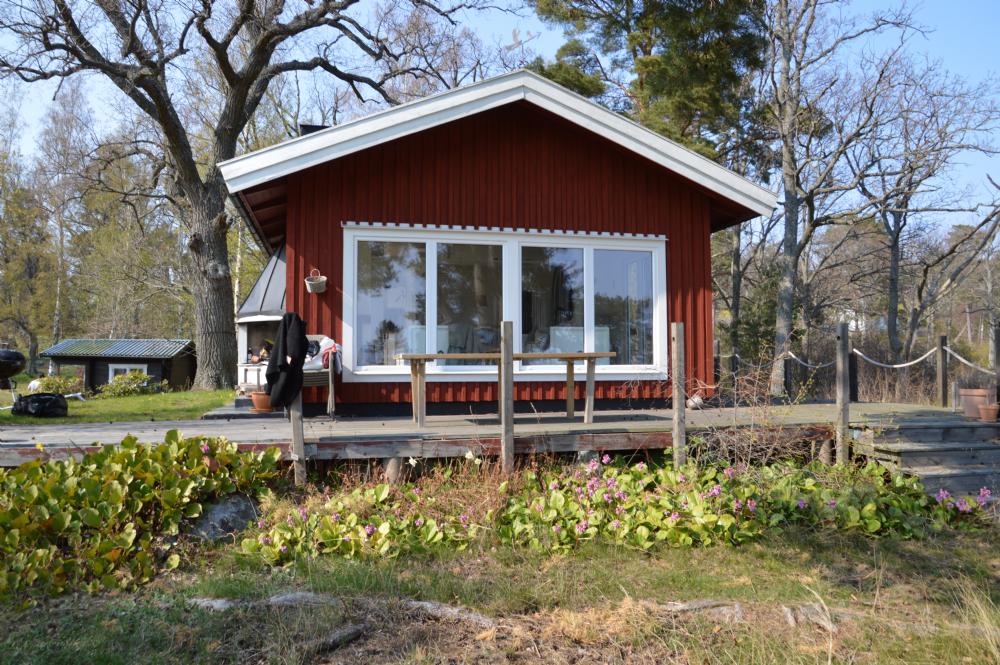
column 295, row 155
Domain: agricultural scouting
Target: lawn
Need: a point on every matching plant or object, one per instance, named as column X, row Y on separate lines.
column 929, row 601
column 183, row 405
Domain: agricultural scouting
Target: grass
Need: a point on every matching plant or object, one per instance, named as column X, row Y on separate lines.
column 183, row 405
column 907, row 601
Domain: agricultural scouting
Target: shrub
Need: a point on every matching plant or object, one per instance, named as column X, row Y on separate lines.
column 101, row 522
column 63, row 385
column 633, row 506
column 132, row 383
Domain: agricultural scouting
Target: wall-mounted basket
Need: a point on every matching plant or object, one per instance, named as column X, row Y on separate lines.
column 315, row 282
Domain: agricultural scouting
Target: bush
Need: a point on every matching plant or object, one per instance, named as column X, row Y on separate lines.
column 62, row 385
column 101, row 522
column 633, row 506
column 132, row 383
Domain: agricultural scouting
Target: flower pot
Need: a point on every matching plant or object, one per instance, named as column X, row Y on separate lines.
column 972, row 399
column 988, row 412
column 315, row 282
column 261, row 402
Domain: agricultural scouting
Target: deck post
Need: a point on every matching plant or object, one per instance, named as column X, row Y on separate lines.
column 852, row 375
column 507, row 396
column 942, row 371
column 298, row 455
column 678, row 393
column 570, row 389
column 842, row 426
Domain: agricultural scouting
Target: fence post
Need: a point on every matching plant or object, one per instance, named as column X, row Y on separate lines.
column 843, row 392
column 507, row 396
column 942, row 371
column 789, row 378
column 298, row 455
column 995, row 359
column 678, row 393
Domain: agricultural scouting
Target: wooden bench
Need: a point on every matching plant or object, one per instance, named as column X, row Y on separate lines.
column 418, row 375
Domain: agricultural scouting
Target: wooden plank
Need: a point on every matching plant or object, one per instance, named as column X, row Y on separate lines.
column 298, row 455
column 678, row 393
column 570, row 389
column 495, row 357
column 414, row 391
column 507, row 396
column 842, row 423
column 588, row 413
column 421, row 394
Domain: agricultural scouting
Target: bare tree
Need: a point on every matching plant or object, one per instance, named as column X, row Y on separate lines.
column 819, row 108
column 940, row 119
column 146, row 49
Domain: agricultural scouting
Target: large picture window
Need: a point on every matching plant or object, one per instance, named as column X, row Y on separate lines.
column 565, row 294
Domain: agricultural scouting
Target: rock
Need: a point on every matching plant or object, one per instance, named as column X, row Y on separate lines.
column 225, row 518
column 212, row 604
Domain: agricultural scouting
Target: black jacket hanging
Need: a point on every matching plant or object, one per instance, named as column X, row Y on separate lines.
column 284, row 367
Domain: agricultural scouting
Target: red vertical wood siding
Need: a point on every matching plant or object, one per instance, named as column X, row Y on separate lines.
column 514, row 166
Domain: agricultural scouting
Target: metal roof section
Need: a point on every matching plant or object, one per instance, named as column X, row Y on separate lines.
column 267, row 297
column 282, row 159
column 119, row 348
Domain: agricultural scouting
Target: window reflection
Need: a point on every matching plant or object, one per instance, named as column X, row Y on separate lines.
column 391, row 300
column 469, row 299
column 551, row 301
column 623, row 305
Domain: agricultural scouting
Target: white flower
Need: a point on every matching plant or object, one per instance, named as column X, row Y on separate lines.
column 412, row 462
column 469, row 455
column 478, row 461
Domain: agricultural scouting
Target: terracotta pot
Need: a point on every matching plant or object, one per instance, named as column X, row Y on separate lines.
column 972, row 399
column 261, row 402
column 988, row 412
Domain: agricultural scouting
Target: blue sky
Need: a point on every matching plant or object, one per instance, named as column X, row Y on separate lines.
column 962, row 34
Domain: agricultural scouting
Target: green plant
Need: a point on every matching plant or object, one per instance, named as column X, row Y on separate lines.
column 63, row 385
column 103, row 521
column 632, row 506
column 132, row 383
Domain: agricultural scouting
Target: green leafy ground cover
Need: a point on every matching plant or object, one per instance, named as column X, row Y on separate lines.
column 574, row 563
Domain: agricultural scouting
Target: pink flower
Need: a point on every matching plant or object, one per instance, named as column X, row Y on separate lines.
column 737, row 505
column 730, row 472
column 831, row 503
column 556, row 528
column 369, row 530
column 942, row 495
column 674, row 516
column 616, row 525
column 751, row 505
column 205, row 448
column 984, row 497
column 419, row 521
column 964, row 506
column 283, row 549
column 554, row 485
column 303, row 513
column 682, row 478
column 582, row 526
column 606, row 459
column 641, row 466
column 715, row 491
column 802, row 503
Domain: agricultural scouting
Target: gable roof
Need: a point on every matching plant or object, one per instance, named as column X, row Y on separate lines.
column 275, row 162
column 119, row 348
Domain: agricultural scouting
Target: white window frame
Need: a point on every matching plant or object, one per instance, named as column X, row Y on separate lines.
column 512, row 240
column 128, row 367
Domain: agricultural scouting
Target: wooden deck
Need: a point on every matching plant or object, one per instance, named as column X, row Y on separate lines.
column 447, row 436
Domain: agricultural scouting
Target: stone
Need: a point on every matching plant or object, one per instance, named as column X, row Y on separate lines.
column 226, row 517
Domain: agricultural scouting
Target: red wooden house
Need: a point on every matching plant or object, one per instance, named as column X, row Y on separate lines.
column 509, row 199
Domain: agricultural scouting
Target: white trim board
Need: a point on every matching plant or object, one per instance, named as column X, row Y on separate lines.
column 301, row 153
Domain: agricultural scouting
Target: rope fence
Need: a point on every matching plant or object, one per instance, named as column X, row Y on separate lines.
column 899, row 366
column 969, row 364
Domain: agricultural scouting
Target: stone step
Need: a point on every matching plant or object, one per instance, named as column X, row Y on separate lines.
column 959, row 480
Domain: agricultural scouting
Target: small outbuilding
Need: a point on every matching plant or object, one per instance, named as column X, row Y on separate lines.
column 103, row 359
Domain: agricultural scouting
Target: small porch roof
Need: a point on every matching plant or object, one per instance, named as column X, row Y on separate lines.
column 267, row 297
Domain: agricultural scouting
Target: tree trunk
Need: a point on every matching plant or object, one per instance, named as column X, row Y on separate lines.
column 788, row 265
column 892, row 307
column 212, row 288
column 736, row 287
column 60, row 275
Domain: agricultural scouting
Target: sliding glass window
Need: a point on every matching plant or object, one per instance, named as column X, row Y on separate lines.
column 469, row 299
column 552, row 303
column 391, row 308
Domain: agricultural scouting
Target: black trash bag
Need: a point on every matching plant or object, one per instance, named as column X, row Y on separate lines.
column 42, row 405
